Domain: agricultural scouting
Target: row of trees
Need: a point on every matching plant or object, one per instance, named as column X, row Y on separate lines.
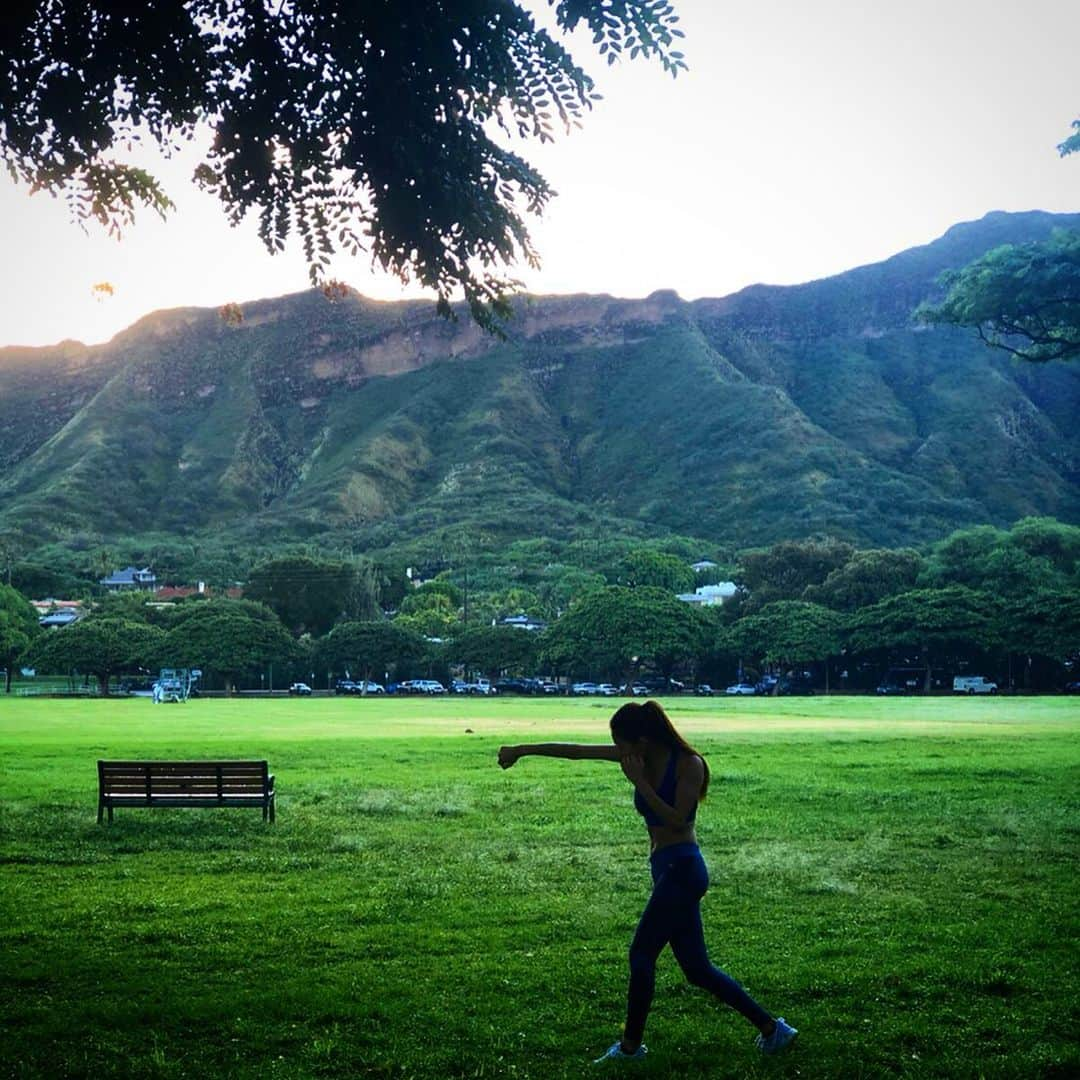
column 982, row 593
column 616, row 632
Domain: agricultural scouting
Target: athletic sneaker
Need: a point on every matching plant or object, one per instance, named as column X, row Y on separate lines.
column 782, row 1034
column 615, row 1052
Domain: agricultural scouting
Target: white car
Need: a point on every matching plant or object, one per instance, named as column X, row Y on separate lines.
column 583, row 688
column 741, row 688
column 606, row 689
column 973, row 684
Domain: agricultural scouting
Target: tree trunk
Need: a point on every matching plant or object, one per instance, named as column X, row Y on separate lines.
column 7, row 678
column 367, row 676
column 103, row 684
column 826, row 674
column 228, row 685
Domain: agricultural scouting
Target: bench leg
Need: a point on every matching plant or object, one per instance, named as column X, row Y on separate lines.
column 100, row 811
column 110, row 813
column 271, row 811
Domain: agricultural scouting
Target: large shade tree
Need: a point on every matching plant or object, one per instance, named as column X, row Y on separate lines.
column 929, row 620
column 1047, row 623
column 868, row 577
column 99, row 647
column 616, row 630
column 645, row 566
column 493, row 649
column 790, row 632
column 377, row 126
column 369, row 648
column 229, row 637
column 785, row 570
column 309, row 595
column 18, row 628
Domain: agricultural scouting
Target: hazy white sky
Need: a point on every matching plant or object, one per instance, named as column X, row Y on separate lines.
column 807, row 138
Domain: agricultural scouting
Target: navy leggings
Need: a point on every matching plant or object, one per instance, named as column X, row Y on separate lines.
column 673, row 916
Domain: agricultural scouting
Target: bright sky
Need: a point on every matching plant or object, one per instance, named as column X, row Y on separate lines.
column 807, row 138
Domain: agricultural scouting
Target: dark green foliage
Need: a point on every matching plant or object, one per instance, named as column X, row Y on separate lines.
column 1045, row 623
column 1036, row 555
column 369, row 650
column 494, row 649
column 789, row 631
column 786, row 570
column 97, row 646
column 927, row 618
column 1023, row 299
column 645, row 566
column 228, row 637
column 18, row 628
column 365, row 126
column 310, row 595
column 43, row 582
column 868, row 576
column 615, row 630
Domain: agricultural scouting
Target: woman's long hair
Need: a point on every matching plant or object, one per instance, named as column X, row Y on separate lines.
column 647, row 720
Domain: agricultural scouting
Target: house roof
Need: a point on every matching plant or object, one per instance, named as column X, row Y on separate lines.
column 59, row 618
column 130, row 575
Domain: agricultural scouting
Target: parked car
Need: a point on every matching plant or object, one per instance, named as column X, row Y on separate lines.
column 973, row 684
column 795, row 684
column 742, row 688
column 427, row 686
column 766, row 683
column 546, row 686
column 300, row 689
column 606, row 689
column 513, row 686
column 890, row 689
column 637, row 689
column 344, row 686
column 582, row 688
column 1072, row 688
column 371, row 688
column 703, row 690
column 657, row 684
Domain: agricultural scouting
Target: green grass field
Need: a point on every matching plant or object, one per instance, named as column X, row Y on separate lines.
column 898, row 878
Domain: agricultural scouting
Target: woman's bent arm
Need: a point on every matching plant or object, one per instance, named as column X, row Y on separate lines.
column 574, row 751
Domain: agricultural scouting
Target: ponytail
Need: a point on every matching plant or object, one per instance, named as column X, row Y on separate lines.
column 647, row 720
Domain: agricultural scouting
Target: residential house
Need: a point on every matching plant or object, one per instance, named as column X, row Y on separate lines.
column 53, row 614
column 129, row 579
column 710, row 595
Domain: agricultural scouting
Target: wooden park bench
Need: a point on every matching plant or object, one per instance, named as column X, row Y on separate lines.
column 184, row 783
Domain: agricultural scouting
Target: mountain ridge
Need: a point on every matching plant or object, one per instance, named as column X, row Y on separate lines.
column 777, row 411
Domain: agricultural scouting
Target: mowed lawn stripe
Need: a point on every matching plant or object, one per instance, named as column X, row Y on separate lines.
column 895, row 877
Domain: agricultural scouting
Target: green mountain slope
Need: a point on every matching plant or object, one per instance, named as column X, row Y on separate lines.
column 773, row 413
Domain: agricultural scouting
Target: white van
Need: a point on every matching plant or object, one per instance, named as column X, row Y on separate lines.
column 973, row 684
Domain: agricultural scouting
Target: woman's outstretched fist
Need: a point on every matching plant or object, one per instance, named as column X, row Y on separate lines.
column 507, row 756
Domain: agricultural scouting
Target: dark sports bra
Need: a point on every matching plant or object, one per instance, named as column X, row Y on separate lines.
column 665, row 791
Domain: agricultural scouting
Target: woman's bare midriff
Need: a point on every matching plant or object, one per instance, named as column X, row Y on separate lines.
column 662, row 836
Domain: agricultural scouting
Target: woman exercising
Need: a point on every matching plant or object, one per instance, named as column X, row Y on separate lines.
column 670, row 778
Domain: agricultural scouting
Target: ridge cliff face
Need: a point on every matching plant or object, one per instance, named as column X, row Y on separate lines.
column 775, row 412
